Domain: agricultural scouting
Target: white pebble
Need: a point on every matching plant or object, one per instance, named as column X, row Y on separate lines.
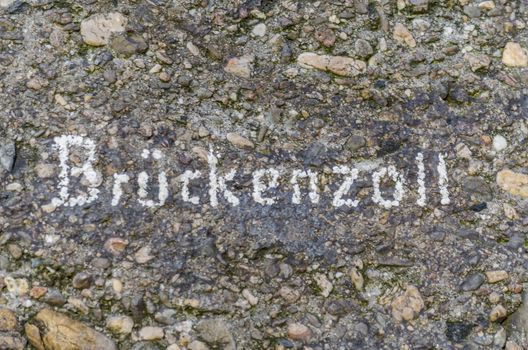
column 499, row 143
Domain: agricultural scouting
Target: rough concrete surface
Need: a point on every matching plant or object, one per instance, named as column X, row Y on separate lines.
column 263, row 174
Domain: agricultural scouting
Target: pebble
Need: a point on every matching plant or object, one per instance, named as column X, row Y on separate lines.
column 512, row 182
column 45, row 171
column 151, row 333
column 54, row 297
column 17, row 286
column 497, row 313
column 6, row 3
column 472, row 282
column 477, row 61
column 259, row 30
column 357, row 279
column 240, row 66
column 38, row 292
column 339, row 65
column 298, row 331
column 363, row 49
column 496, row 276
column 499, row 143
column 494, row 297
column 514, row 55
column 407, row 306
column 290, row 295
column 165, row 77
column 8, row 320
column 97, row 29
column 7, row 155
column 326, row 37
column 143, row 255
column 82, row 280
column 487, row 5
column 116, row 245
column 324, row 284
column 239, row 141
column 34, row 84
column 128, row 44
column 215, row 332
column 402, row 35
column 197, row 345
column 250, row 297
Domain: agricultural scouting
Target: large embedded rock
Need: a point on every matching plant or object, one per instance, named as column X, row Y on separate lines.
column 97, row 29
column 58, row 331
column 514, row 55
column 514, row 183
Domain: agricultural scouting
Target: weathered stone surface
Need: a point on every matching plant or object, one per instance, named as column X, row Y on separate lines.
column 97, row 29
column 514, row 55
column 340, row 65
column 58, row 331
column 408, row 305
column 514, row 183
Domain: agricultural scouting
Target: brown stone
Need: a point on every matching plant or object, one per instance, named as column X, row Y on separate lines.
column 8, row 320
column 514, row 55
column 298, row 331
column 33, row 335
column 514, row 183
column 403, row 35
column 407, row 306
column 498, row 313
column 97, row 29
column 239, row 141
column 58, row 331
column 496, row 276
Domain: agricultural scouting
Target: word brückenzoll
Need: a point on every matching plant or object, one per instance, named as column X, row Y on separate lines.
column 264, row 182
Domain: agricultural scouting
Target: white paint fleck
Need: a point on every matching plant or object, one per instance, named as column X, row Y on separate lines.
column 350, row 176
column 443, row 180
column 145, row 154
column 217, row 183
column 296, row 196
column 421, row 180
column 156, row 154
column 117, row 190
column 398, row 188
column 186, row 177
column 259, row 187
column 63, row 144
